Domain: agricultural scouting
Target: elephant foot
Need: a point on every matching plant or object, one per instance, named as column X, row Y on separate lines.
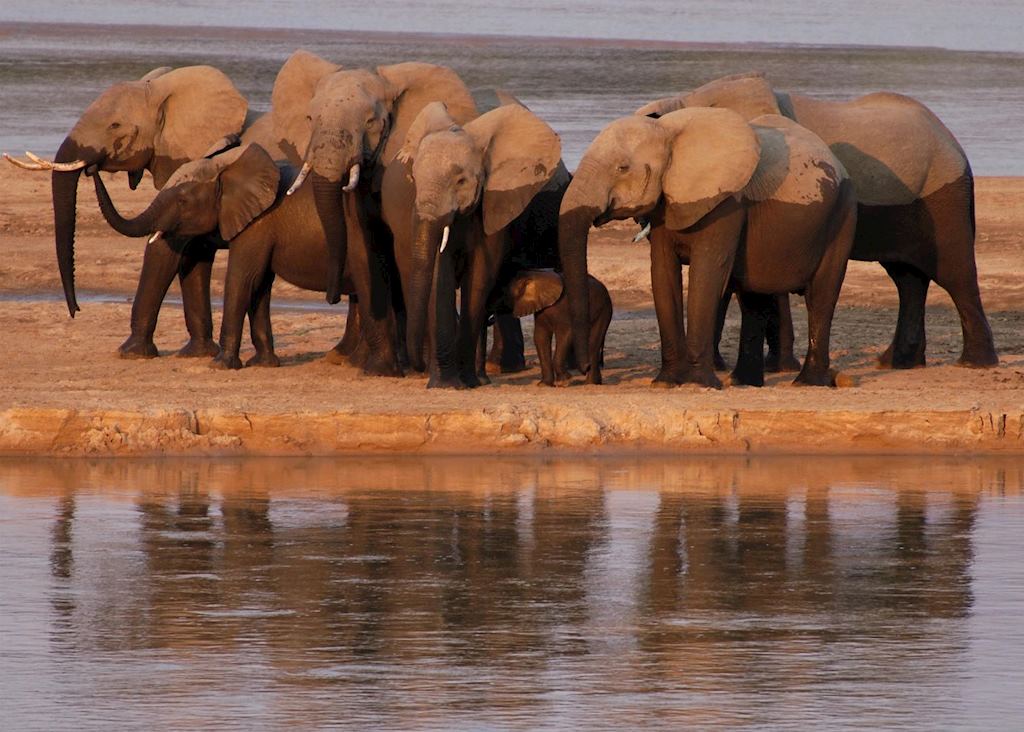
column 979, row 359
column 470, row 379
column 892, row 360
column 513, row 368
column 775, row 363
column 546, row 382
column 223, row 362
column 264, row 360
column 484, row 379
column 382, row 367
column 594, row 377
column 746, row 377
column 445, row 382
column 821, row 377
column 668, row 378
column 719, row 361
column 199, row 348
column 705, row 377
column 137, row 347
column 336, row 357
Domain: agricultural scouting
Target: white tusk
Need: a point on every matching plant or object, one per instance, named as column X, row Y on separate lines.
column 23, row 165
column 306, row 167
column 353, row 178
column 643, row 233
column 74, row 165
column 444, row 240
column 155, row 236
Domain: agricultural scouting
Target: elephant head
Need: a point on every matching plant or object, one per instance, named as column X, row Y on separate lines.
column 534, row 290
column 491, row 168
column 166, row 118
column 749, row 95
column 222, row 194
column 680, row 166
column 338, row 123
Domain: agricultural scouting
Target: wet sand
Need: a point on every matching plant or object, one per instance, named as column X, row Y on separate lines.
column 66, row 392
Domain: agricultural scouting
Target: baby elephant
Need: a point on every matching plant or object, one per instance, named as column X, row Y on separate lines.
column 540, row 292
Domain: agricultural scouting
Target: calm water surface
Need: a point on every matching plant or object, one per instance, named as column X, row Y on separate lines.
column 507, row 593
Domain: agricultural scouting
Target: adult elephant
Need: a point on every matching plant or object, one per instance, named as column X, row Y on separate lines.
column 450, row 201
column 915, row 195
column 764, row 207
column 165, row 119
column 344, row 127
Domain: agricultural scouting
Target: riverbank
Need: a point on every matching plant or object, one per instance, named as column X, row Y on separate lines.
column 65, row 392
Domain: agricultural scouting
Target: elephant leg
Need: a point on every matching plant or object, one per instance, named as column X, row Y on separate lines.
column 598, row 330
column 723, row 311
column 346, row 347
column 780, row 338
column 240, row 290
column 667, row 286
column 260, row 329
column 712, row 253
column 481, row 357
column 756, row 309
column 822, row 293
column 194, row 276
column 442, row 324
column 160, row 264
column 908, row 344
column 979, row 350
column 368, row 272
column 507, row 351
column 563, row 349
column 542, row 342
column 484, row 262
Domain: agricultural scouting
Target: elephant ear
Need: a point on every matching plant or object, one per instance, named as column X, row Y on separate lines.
column 660, row 107
column 714, row 154
column 249, row 187
column 413, row 86
column 197, row 106
column 159, row 71
column 521, row 154
column 432, row 118
column 293, row 90
column 749, row 95
column 534, row 290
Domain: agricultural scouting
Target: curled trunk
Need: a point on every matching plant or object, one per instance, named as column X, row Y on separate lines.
column 327, row 196
column 142, row 225
column 580, row 207
column 423, row 256
column 64, row 187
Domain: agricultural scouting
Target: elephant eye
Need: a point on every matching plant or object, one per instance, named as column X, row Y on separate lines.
column 623, row 168
column 114, row 125
column 461, row 181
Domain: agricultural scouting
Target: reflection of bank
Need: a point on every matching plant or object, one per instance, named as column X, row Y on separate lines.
column 761, row 575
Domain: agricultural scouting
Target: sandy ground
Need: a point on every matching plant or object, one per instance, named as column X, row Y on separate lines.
column 65, row 390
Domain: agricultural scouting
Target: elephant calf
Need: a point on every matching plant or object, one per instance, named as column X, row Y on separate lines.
column 540, row 292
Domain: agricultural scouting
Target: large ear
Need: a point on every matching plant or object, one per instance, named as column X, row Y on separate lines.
column 749, row 95
column 248, row 188
column 521, row 153
column 289, row 101
column 413, row 86
column 714, row 154
column 534, row 290
column 197, row 106
column 432, row 118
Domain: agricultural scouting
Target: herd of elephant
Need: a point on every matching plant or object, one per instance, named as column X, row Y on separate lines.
column 390, row 186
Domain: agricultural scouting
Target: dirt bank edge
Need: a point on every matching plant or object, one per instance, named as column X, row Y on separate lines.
column 32, row 431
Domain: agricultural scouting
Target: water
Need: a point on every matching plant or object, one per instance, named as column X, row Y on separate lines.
column 49, row 74
column 782, row 593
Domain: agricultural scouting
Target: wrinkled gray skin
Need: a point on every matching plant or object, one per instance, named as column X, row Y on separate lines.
column 764, row 207
column 540, row 293
column 156, row 123
column 915, row 195
column 335, row 119
column 473, row 180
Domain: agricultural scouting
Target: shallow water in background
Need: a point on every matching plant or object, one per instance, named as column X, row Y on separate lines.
column 516, row 593
column 49, row 74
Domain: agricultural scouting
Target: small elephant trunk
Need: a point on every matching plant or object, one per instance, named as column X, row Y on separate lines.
column 64, row 186
column 579, row 209
column 142, row 225
column 424, row 258
column 327, row 197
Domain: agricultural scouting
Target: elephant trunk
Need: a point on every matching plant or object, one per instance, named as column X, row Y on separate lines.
column 327, row 196
column 142, row 225
column 64, row 186
column 427, row 243
column 580, row 207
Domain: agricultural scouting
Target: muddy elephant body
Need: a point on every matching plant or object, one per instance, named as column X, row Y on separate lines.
column 541, row 293
column 763, row 207
column 915, row 196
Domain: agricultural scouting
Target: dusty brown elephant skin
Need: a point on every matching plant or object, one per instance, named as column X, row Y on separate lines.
column 450, row 200
column 762, row 206
column 344, row 126
column 541, row 293
column 240, row 197
column 915, row 194
column 166, row 118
